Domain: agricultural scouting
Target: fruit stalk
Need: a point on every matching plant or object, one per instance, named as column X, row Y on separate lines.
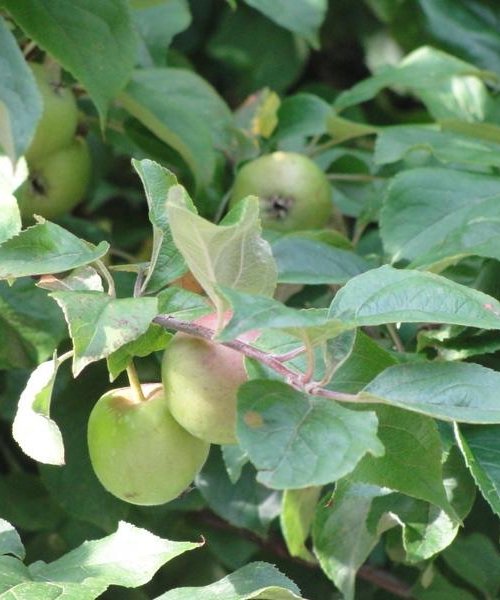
column 135, row 384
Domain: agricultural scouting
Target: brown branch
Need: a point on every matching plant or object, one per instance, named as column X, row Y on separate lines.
column 275, row 545
column 294, row 378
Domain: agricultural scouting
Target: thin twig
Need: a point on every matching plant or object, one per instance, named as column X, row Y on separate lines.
column 354, row 177
column 292, row 377
column 103, row 270
column 393, row 334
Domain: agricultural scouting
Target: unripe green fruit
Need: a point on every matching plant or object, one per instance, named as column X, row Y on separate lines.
column 138, row 451
column 57, row 125
column 201, row 380
column 56, row 184
column 294, row 192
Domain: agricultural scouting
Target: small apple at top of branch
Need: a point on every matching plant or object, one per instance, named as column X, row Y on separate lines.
column 57, row 183
column 138, row 451
column 57, row 125
column 201, row 380
column 294, row 192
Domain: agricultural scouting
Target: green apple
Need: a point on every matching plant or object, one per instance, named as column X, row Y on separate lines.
column 57, row 125
column 138, row 451
column 201, row 380
column 294, row 192
column 57, row 183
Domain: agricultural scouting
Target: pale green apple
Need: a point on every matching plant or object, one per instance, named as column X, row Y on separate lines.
column 56, row 184
column 294, row 192
column 138, row 451
column 57, row 125
column 201, row 380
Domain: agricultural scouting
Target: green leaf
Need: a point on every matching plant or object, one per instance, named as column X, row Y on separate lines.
column 469, row 28
column 46, row 248
column 157, row 25
column 464, row 392
column 388, row 295
column 255, row 580
column 31, row 325
column 166, row 262
column 448, row 86
column 480, row 447
column 437, row 587
column 184, row 111
column 424, row 206
column 99, row 325
column 301, row 16
column 394, row 143
column 245, row 503
column 93, row 40
column 10, row 217
column 309, row 262
column 129, row 557
column 153, row 340
column 20, row 101
column 182, row 304
column 81, row 279
column 296, row 440
column 33, row 429
column 230, row 254
column 296, row 517
column 476, row 559
column 365, row 361
column 302, row 115
column 10, row 542
column 406, row 438
column 341, row 539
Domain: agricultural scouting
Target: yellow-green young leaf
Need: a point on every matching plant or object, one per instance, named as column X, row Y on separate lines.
column 99, row 325
column 296, row 517
column 33, row 429
column 231, row 254
column 93, row 40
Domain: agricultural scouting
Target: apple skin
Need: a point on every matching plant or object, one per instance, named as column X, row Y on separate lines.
column 57, row 125
column 294, row 192
column 201, row 380
column 56, row 184
column 138, row 451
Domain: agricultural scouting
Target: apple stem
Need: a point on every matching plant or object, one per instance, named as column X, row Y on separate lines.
column 292, row 377
column 135, row 384
column 103, row 270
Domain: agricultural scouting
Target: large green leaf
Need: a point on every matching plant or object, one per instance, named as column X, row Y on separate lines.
column 166, row 262
column 406, row 438
column 296, row 440
column 388, row 295
column 469, row 27
column 301, row 16
column 306, row 261
column 463, row 392
column 481, row 447
column 424, row 206
column 31, row 325
column 46, row 248
column 184, row 111
column 93, row 40
column 296, row 517
column 99, row 324
column 257, row 580
column 231, row 254
column 20, row 101
column 341, row 539
column 128, row 557
column 395, row 143
column 448, row 86
column 156, row 26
